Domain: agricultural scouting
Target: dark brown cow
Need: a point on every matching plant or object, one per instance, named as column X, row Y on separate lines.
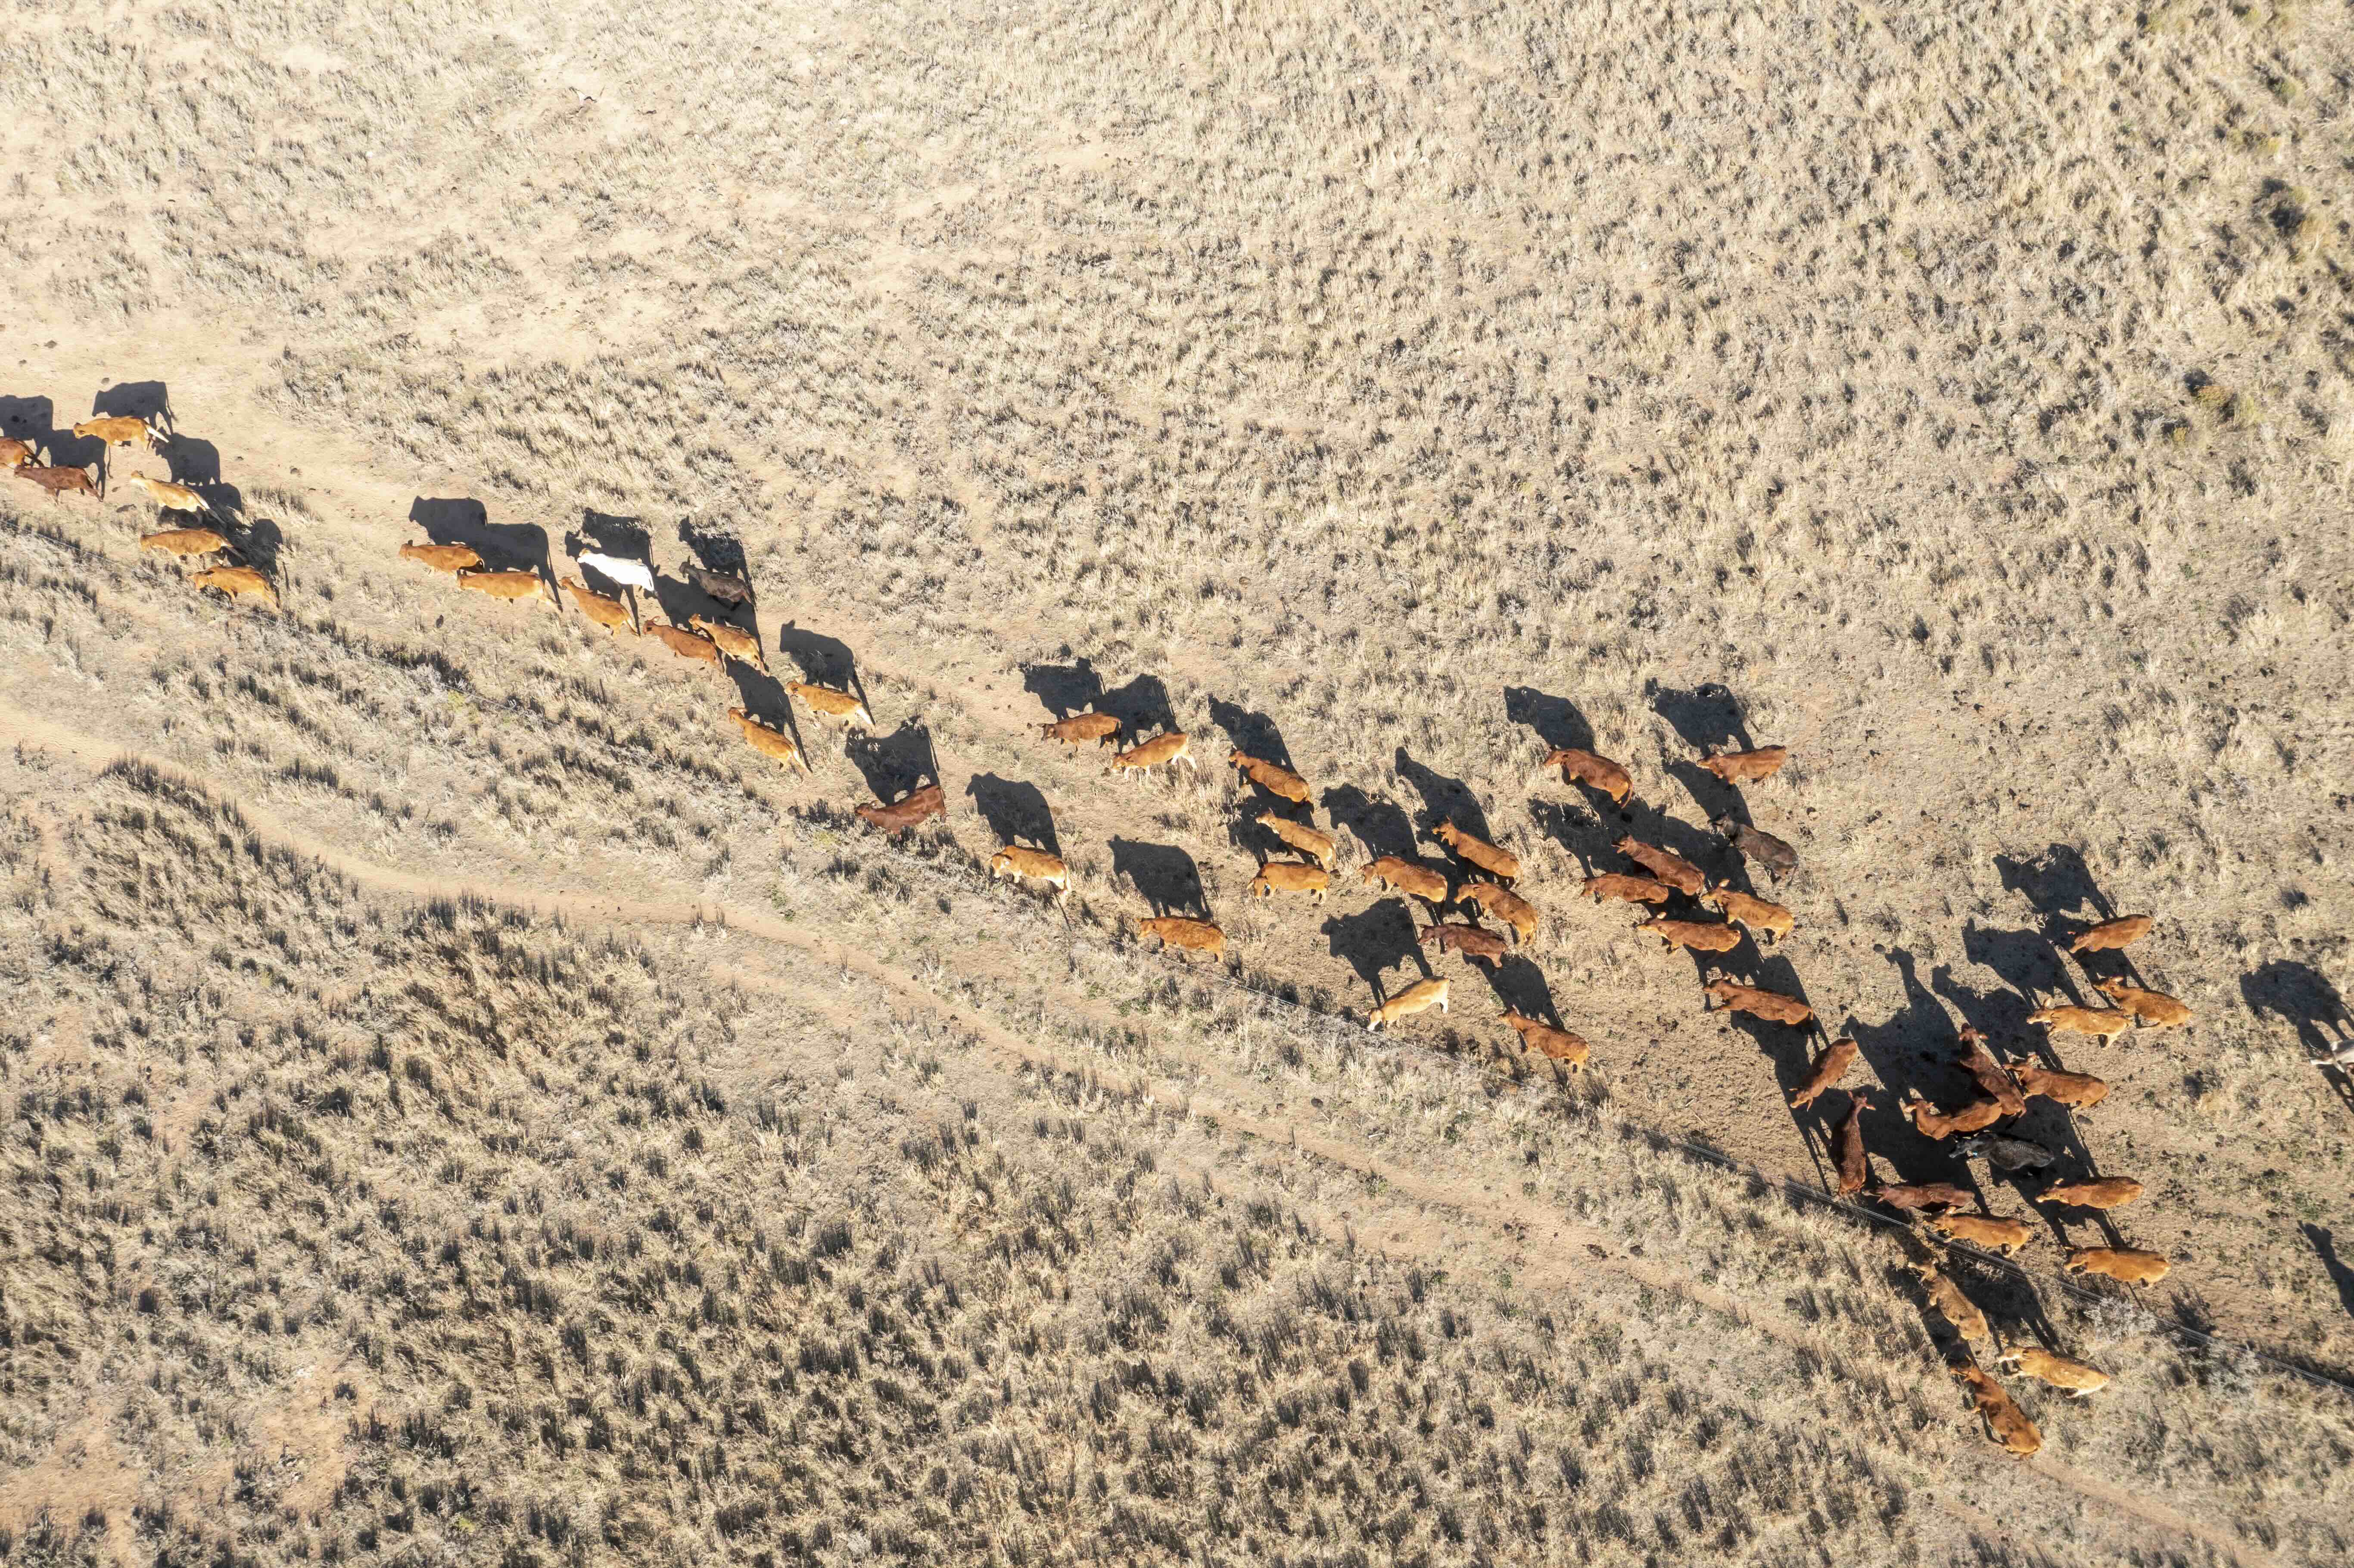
column 1847, row 1145
column 1828, row 1069
column 908, row 810
column 1672, row 869
column 1997, row 1082
column 58, row 482
column 1472, row 941
column 720, row 585
column 1923, row 1195
column 1763, row 848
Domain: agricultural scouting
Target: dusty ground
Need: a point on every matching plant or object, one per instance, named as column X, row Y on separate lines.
column 1956, row 400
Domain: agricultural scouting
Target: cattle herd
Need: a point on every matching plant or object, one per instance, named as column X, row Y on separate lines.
column 1479, row 881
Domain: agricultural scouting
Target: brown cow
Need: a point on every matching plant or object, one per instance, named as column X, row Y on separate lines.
column 1931, row 1122
column 2080, row 1090
column 1759, row 915
column 2111, row 934
column 14, row 453
column 1625, row 889
column 2151, row 1008
column 1771, row 1005
column 1995, row 1234
column 733, row 642
column 1910, row 1196
column 1289, row 876
column 1501, row 864
column 1170, row 749
column 686, row 644
column 1570, row 1050
column 186, row 542
column 1828, row 1069
column 832, row 703
column 1517, row 912
column 720, row 585
column 1702, row 936
column 119, row 430
column 1747, row 767
column 601, row 608
column 1415, row 881
column 768, row 741
column 1017, row 859
column 1672, row 869
column 510, row 585
column 1952, row 1305
column 2004, row 1419
column 442, row 558
column 1419, row 997
column 1281, row 783
column 2073, row 1377
column 1474, row 942
column 1316, row 846
column 1081, row 728
column 59, row 480
column 169, row 496
column 1596, row 772
column 235, row 581
column 1847, row 1145
column 1979, row 1065
column 2126, row 1265
column 2101, row 1192
column 2102, row 1022
column 1188, row 936
column 906, row 811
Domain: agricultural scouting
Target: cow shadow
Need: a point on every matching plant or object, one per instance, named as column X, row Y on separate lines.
column 2061, row 889
column 715, row 552
column 33, row 420
column 262, row 545
column 1444, row 799
column 2325, row 1246
column 1521, row 986
column 138, row 399
column 193, row 461
column 503, row 546
column 624, row 538
column 1063, row 689
column 823, row 661
column 2027, row 963
column 1380, row 825
column 1142, row 707
column 1915, row 1051
column 1375, row 940
column 1556, row 719
column 895, row 763
column 1706, row 718
column 1789, row 1048
column 1254, row 734
column 1577, row 828
column 1704, row 849
column 1163, row 875
column 1713, row 796
column 764, row 697
column 1999, row 1015
column 1015, row 812
column 2300, row 997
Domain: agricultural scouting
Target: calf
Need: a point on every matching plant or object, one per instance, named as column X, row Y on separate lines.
column 2126, row 1265
column 768, row 741
column 2004, row 1236
column 1952, row 1305
column 1500, row 864
column 1289, row 876
column 833, row 703
column 2104, row 1192
column 601, row 609
column 1517, row 912
column 58, row 482
column 450, row 558
column 1281, row 783
column 906, row 811
column 1471, row 941
column 172, row 497
column 2111, row 934
column 1419, row 997
column 2151, row 1008
column 1316, row 846
column 1187, row 937
column 1625, row 889
column 2103, row 1023
column 1768, row 920
column 1597, row 773
column 733, row 642
column 14, row 453
column 1912, row 1196
column 1771, row 1005
column 121, row 430
column 1997, row 1082
column 1700, row 936
column 2073, row 1377
column 1847, row 1145
column 2080, row 1091
column 1162, row 749
column 509, row 585
column 1081, row 728
column 1763, row 848
column 1414, row 881
column 186, row 542
column 236, row 581
column 1930, row 1122
column 2004, row 1419
column 1827, row 1070
column 1672, row 869
column 720, row 585
column 1747, row 767
column 1568, row 1048
column 1014, row 860
column 688, row 644
column 621, row 573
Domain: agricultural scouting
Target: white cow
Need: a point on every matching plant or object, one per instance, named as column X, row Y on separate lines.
column 629, row 574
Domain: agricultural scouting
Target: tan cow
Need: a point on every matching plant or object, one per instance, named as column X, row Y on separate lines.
column 2101, row 1192
column 2081, row 1091
column 1316, row 846
column 1281, row 783
column 1625, row 889
column 1081, row 728
column 906, row 811
column 1700, row 936
column 2151, row 1008
column 1759, row 914
column 1414, row 881
column 171, row 497
column 1918, row 1196
column 1594, row 771
column 688, row 644
column 1828, row 1069
column 602, row 608
column 2072, row 1377
column 2103, row 1023
column 121, row 430
column 733, row 642
column 1017, row 860
column 1979, row 1064
column 1672, row 869
column 1773, row 1006
column 1847, row 1145
column 236, row 581
column 58, row 482
column 1474, row 942
column 2111, row 934
column 832, row 703
column 1955, row 1307
column 1162, row 749
column 1747, row 767
column 1289, row 876
column 2004, row 1419
column 1517, row 912
column 2126, row 1265
column 1988, row 1231
column 14, row 453
column 1419, row 997
column 450, row 558
column 1569, row 1050
column 767, row 740
column 186, row 542
column 1188, row 936
column 510, row 586
column 1931, row 1122
column 1501, row 864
